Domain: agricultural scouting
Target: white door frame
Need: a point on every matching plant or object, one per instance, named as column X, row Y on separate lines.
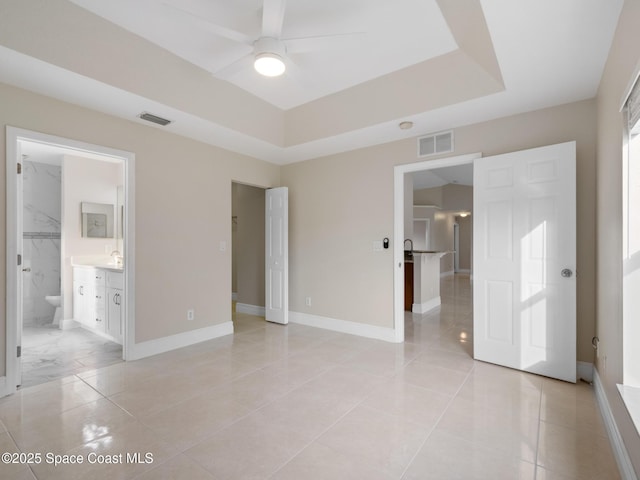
column 456, row 247
column 13, row 136
column 398, row 229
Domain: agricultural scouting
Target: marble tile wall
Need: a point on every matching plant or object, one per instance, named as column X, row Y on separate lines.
column 41, row 240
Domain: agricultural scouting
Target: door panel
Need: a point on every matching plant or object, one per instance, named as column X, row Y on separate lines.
column 524, row 236
column 276, row 253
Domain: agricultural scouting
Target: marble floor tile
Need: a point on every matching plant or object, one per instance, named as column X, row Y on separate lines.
column 49, row 353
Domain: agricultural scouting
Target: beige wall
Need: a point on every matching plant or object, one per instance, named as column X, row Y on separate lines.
column 85, row 180
column 457, row 197
column 428, row 196
column 183, row 207
column 341, row 203
column 465, row 241
column 249, row 208
column 622, row 62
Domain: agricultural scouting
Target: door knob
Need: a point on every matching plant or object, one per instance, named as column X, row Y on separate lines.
column 566, row 272
column 26, row 269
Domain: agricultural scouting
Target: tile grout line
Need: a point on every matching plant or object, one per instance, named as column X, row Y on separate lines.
column 431, row 430
column 535, row 463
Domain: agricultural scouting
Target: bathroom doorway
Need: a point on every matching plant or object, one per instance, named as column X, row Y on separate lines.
column 48, row 231
column 247, row 255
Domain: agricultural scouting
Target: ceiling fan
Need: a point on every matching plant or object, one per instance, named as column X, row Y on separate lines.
column 269, row 51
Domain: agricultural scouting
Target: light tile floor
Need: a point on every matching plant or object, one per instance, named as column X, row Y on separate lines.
column 297, row 403
column 49, row 353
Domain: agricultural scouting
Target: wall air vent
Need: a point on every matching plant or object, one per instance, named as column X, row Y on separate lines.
column 149, row 117
column 435, row 144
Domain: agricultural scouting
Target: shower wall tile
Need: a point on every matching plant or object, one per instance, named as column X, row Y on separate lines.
column 41, row 243
column 41, row 197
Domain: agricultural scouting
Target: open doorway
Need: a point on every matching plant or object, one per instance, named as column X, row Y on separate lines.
column 441, row 310
column 69, row 209
column 428, row 192
column 248, row 256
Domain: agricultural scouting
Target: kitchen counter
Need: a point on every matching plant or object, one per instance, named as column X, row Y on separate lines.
column 426, row 279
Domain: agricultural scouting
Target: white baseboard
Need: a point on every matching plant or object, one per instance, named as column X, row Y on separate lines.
column 447, row 274
column 427, row 306
column 344, row 326
column 4, row 391
column 464, row 270
column 184, row 339
column 234, row 296
column 617, row 444
column 250, row 309
column 585, row 371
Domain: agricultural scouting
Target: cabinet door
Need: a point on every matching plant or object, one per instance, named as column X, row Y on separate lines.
column 79, row 303
column 98, row 319
column 114, row 313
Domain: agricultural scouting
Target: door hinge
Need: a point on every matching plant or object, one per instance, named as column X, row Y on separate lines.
column 19, row 168
column 19, row 352
column 19, row 259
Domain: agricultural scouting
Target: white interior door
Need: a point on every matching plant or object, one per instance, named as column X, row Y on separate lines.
column 524, row 253
column 277, row 255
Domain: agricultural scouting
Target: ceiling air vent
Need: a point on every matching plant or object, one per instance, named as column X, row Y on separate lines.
column 435, row 144
column 149, row 117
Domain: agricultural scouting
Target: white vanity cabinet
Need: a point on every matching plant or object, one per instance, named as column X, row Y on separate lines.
column 115, row 305
column 98, row 300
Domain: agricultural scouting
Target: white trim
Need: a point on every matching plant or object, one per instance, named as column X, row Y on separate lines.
column 585, row 371
column 625, row 466
column 4, row 391
column 344, row 326
column 447, row 274
column 180, row 340
column 631, row 399
column 15, row 135
column 398, row 228
column 250, row 309
column 427, row 306
column 234, row 296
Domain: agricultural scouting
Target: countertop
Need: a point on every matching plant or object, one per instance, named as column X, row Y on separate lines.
column 409, row 258
column 105, row 262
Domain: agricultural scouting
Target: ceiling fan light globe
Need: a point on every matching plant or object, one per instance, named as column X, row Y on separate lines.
column 269, row 64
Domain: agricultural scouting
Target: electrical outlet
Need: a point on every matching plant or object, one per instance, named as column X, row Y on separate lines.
column 377, row 246
column 307, row 301
column 191, row 314
column 223, row 246
column 108, row 249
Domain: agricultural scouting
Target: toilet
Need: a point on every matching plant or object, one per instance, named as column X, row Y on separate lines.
column 55, row 300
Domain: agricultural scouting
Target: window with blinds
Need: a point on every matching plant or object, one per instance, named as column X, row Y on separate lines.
column 633, row 109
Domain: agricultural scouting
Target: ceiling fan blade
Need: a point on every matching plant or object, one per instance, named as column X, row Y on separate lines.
column 272, row 17
column 324, row 42
column 243, row 63
column 219, row 30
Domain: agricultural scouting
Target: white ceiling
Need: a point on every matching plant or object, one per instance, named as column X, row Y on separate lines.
column 390, row 36
column 441, row 64
column 437, row 177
